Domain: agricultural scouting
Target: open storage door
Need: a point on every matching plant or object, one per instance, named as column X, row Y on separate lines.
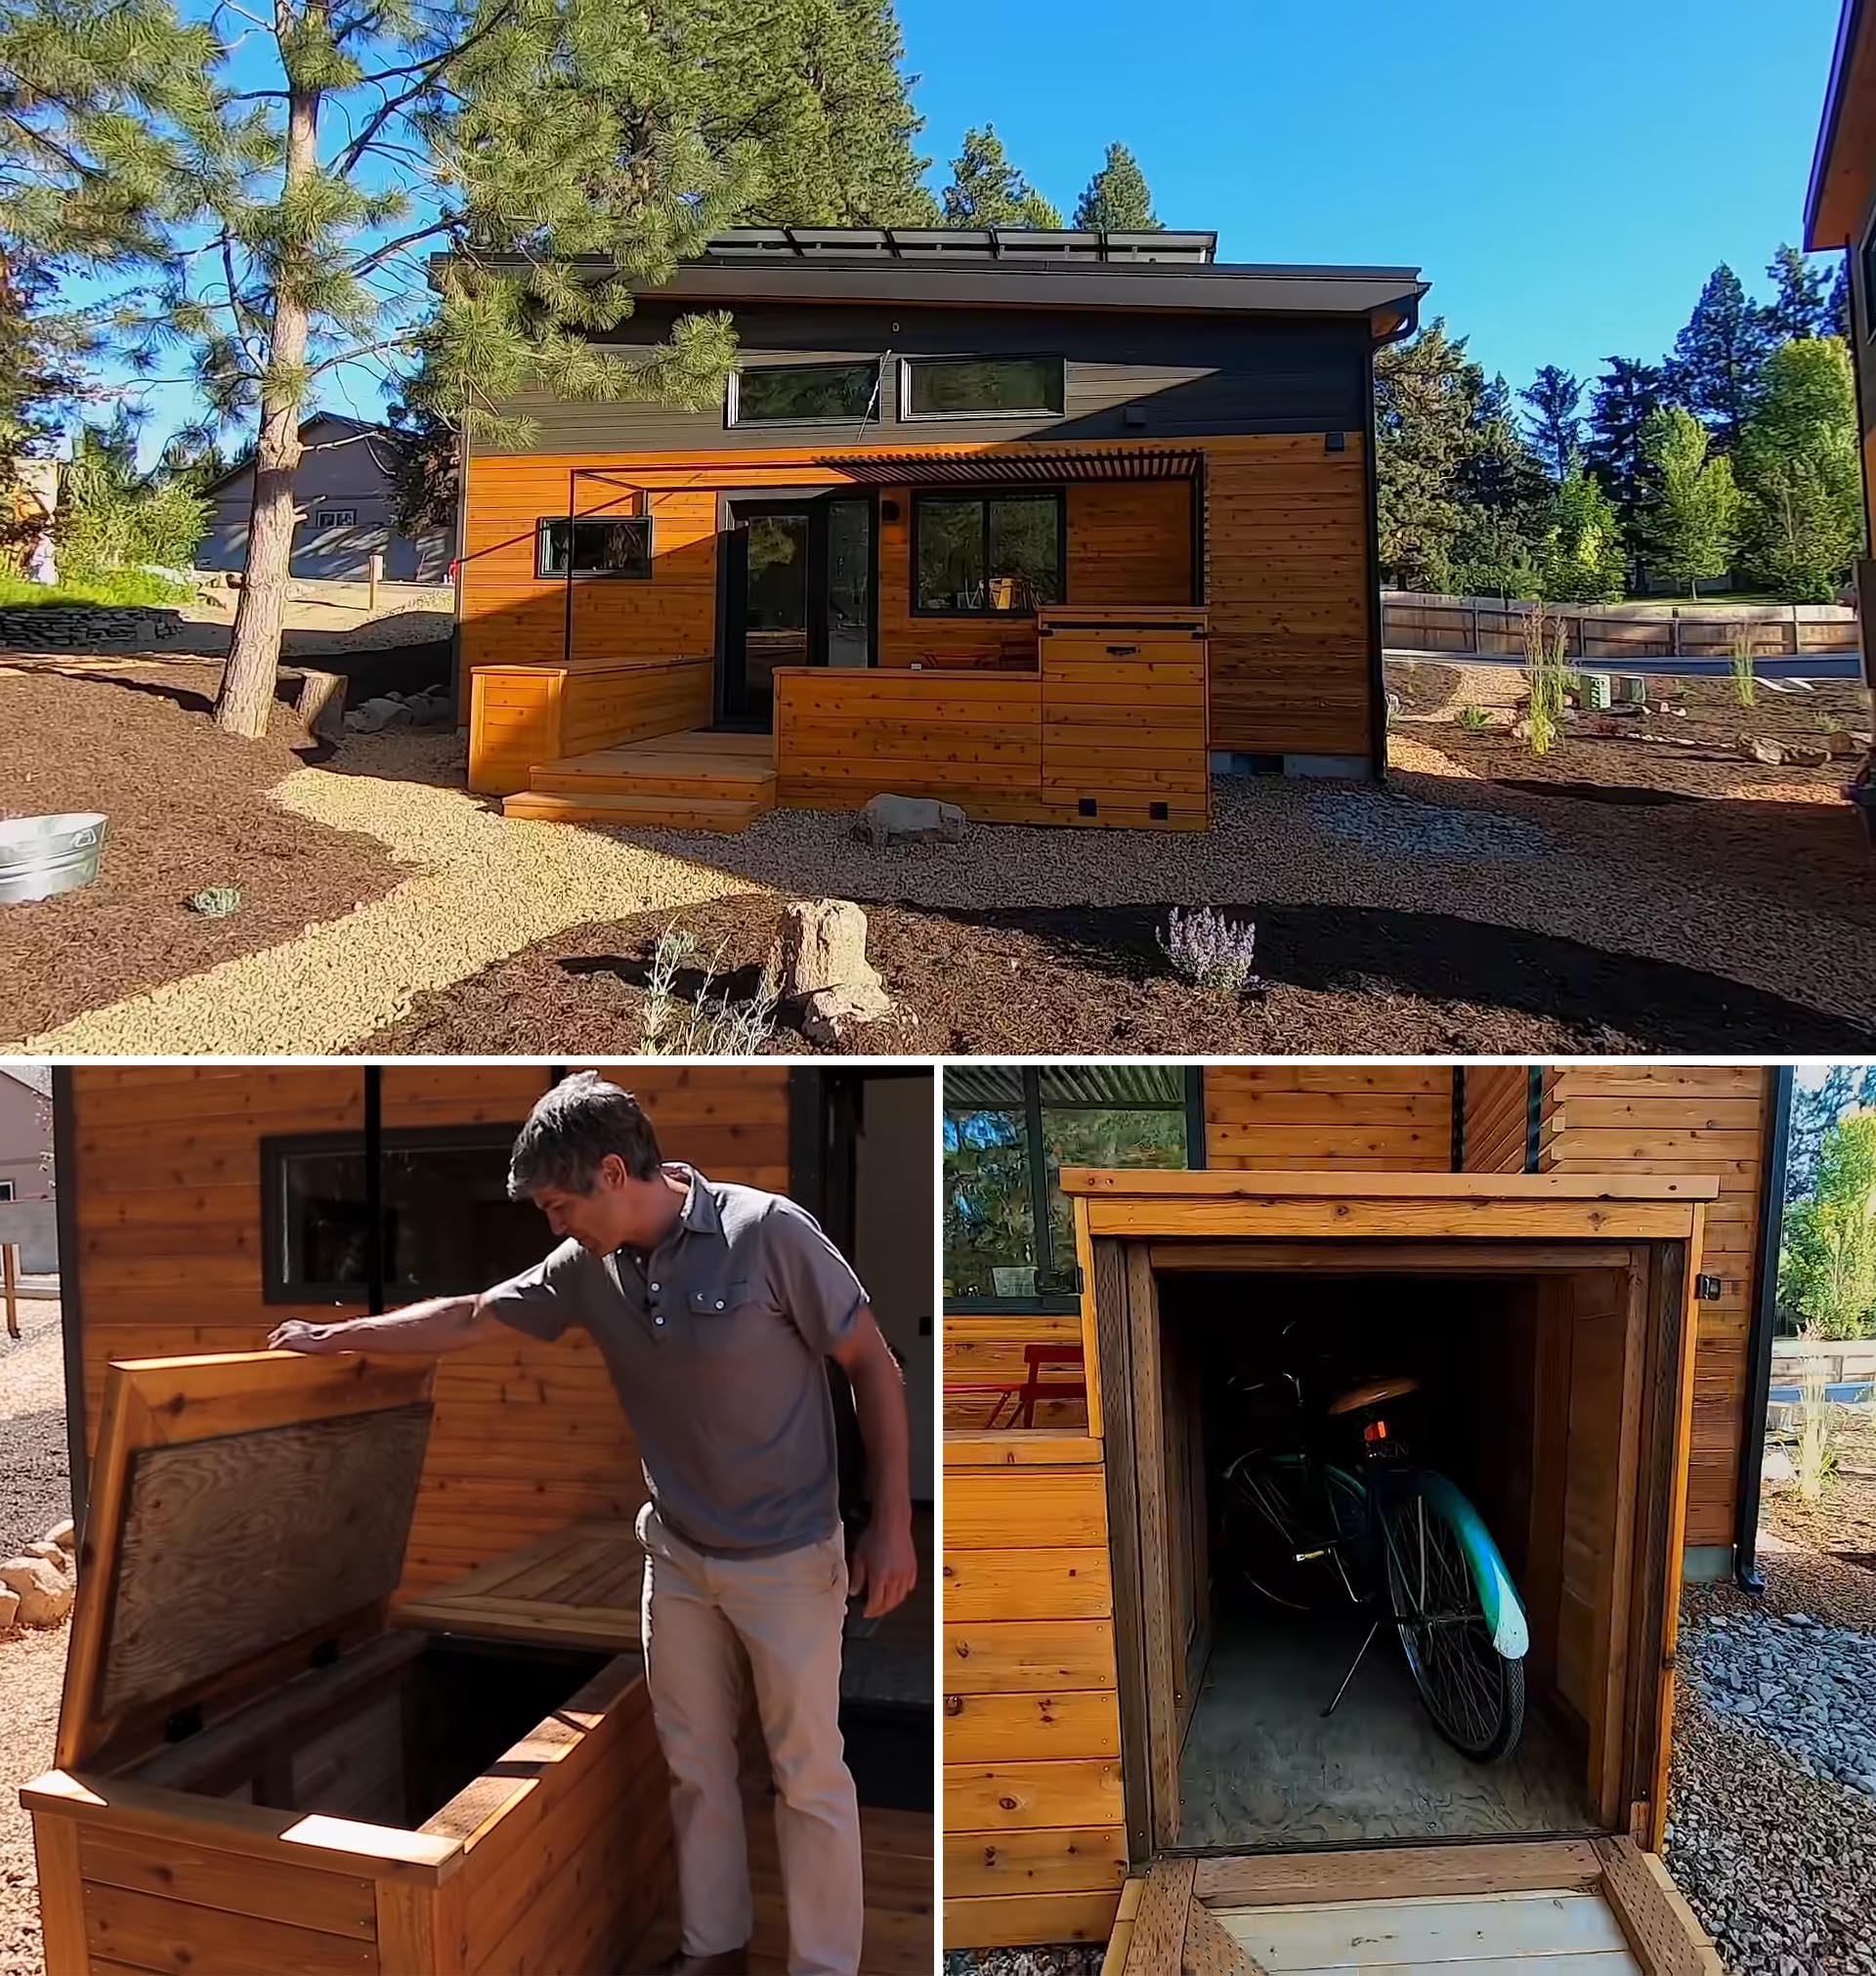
column 1542, row 1327
column 1600, row 1908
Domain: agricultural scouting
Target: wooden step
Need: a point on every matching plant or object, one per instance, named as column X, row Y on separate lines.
column 648, row 810
column 670, row 775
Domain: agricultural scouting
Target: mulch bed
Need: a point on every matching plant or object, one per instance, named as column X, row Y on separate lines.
column 1343, row 980
column 188, row 811
column 1842, row 1523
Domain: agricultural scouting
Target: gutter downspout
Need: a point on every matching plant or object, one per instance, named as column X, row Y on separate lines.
column 1765, row 1312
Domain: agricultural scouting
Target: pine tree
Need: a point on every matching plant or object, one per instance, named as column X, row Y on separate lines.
column 1718, row 357
column 279, row 226
column 1623, row 400
column 1837, row 308
column 1556, row 428
column 1799, row 466
column 1799, row 306
column 1503, row 496
column 987, row 190
column 1691, row 523
column 1814, row 1109
column 1117, row 199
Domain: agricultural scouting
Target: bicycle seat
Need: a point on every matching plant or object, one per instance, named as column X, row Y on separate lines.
column 1371, row 1392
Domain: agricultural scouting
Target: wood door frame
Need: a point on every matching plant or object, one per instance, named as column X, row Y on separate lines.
column 1629, row 1770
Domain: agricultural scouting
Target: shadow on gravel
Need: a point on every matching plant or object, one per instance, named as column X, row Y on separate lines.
column 35, row 1484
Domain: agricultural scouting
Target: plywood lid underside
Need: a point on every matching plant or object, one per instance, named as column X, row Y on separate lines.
column 241, row 1504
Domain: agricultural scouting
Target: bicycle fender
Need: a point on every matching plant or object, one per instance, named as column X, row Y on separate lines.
column 1504, row 1609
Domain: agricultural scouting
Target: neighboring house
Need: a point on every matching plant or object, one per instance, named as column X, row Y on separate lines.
column 25, row 1167
column 1048, row 524
column 344, row 490
column 1571, row 1267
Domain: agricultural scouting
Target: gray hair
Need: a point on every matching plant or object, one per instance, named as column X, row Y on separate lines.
column 570, row 1133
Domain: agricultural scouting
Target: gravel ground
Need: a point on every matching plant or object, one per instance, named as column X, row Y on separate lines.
column 1073, row 1958
column 1770, row 891
column 1778, row 1862
column 35, row 1495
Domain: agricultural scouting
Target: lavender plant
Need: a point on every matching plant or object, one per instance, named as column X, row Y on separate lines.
column 1211, row 950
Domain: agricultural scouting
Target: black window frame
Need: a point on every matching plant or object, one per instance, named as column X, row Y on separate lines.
column 937, row 359
column 545, row 574
column 1866, row 269
column 9, row 1189
column 335, row 518
column 733, row 414
column 983, row 496
column 1054, row 1303
column 278, row 1148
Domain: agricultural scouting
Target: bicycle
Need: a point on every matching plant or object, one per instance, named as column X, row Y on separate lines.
column 1394, row 1539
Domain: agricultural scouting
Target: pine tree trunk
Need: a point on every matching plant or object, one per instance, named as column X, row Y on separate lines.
column 254, row 652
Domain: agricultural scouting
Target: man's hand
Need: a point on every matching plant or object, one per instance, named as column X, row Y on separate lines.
column 883, row 1568
column 298, row 1335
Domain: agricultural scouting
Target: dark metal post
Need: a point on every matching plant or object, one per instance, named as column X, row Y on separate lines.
column 1765, row 1315
column 1038, row 1173
column 374, row 1187
column 64, row 1194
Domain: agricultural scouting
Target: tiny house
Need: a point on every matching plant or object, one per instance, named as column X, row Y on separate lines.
column 355, row 1681
column 1047, row 525
column 1556, row 1275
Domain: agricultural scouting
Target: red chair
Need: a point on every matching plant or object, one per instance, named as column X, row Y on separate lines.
column 1039, row 1357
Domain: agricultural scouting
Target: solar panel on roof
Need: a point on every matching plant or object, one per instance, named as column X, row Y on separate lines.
column 958, row 244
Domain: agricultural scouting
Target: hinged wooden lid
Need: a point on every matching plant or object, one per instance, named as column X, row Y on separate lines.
column 246, row 1509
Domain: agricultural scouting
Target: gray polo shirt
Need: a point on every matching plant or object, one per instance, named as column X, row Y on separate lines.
column 717, row 1342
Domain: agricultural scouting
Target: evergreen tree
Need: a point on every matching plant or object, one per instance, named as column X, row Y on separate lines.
column 1426, row 400
column 1837, row 308
column 41, row 347
column 1503, row 496
column 987, row 190
column 1800, row 305
column 280, row 225
column 1583, row 561
column 1814, row 1109
column 1799, row 466
column 1718, row 357
column 1623, row 400
column 1117, row 199
column 1691, row 523
column 1556, row 429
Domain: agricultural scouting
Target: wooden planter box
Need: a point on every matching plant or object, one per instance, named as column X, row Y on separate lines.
column 256, row 1773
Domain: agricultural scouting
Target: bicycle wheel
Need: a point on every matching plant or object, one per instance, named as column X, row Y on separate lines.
column 1270, row 1535
column 1474, row 1694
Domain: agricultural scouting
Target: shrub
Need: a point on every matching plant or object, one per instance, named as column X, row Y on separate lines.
column 112, row 587
column 1474, row 719
column 702, row 1026
column 113, row 518
column 1547, row 674
column 1818, row 1432
column 1745, row 681
column 1211, row 950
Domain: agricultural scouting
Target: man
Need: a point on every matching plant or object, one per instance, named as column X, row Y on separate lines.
column 715, row 1306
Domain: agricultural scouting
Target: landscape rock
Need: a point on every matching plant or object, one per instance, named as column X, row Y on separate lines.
column 64, row 1535
column 44, row 1591
column 51, row 1553
column 824, row 945
column 910, row 819
column 1759, row 748
column 1843, row 743
column 321, row 705
column 830, row 1013
column 9, row 1610
column 372, row 717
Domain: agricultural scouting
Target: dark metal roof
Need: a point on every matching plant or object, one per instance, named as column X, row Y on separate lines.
column 1158, row 1086
column 905, row 468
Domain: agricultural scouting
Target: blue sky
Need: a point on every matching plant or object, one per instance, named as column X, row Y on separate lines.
column 1565, row 176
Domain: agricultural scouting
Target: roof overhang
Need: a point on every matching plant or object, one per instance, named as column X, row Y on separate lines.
column 1843, row 172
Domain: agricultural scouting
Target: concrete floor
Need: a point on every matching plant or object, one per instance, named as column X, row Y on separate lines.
column 1260, row 1764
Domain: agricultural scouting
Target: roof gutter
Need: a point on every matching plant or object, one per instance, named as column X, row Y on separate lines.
column 1849, row 26
column 1764, row 1316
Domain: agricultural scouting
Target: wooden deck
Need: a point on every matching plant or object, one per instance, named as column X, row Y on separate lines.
column 699, row 779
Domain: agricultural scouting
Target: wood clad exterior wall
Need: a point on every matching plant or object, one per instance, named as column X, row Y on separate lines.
column 1035, row 1848
column 166, row 1175
column 1285, row 562
column 1320, row 1117
column 1685, row 1119
column 522, row 715
column 1496, row 1130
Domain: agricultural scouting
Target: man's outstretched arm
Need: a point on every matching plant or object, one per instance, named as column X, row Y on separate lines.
column 885, row 1566
column 424, row 1330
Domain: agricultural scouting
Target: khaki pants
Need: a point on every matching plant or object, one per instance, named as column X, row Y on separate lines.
column 786, row 1612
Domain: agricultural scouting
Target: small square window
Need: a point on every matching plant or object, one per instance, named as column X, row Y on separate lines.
column 602, row 545
column 5, row 1190
column 336, row 518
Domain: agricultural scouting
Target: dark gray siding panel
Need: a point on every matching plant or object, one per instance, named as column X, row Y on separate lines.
column 1146, row 376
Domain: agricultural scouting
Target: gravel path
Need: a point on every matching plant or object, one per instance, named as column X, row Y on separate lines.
column 35, row 1495
column 1778, row 1862
column 1439, row 842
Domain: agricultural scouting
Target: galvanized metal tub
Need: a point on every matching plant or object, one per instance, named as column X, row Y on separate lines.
column 41, row 856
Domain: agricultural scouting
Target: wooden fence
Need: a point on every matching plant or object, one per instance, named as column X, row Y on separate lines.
column 1459, row 625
